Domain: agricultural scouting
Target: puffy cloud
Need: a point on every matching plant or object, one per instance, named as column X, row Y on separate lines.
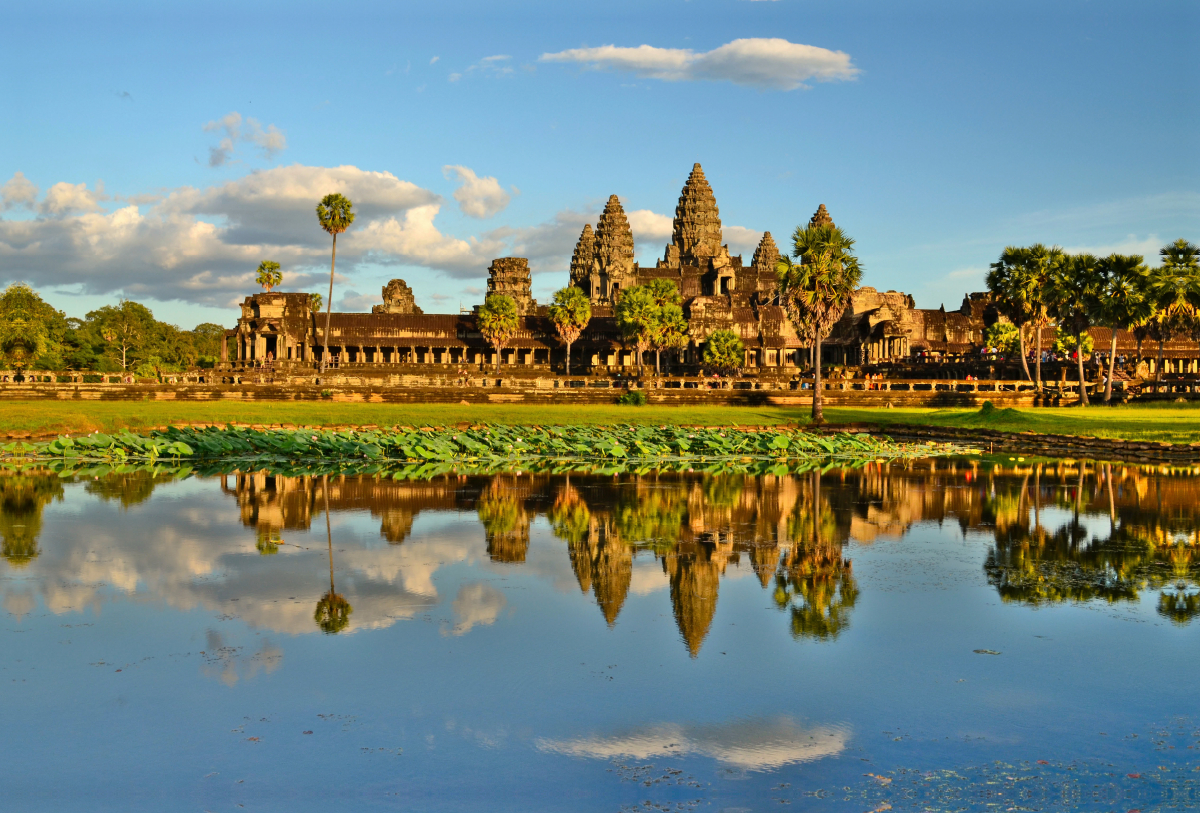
column 756, row 745
column 650, row 227
column 477, row 197
column 548, row 245
column 18, row 191
column 741, row 240
column 765, row 63
column 354, row 302
column 202, row 245
column 270, row 141
column 67, row 199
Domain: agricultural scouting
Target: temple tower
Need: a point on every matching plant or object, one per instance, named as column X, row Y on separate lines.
column 397, row 298
column 583, row 261
column 765, row 255
column 510, row 276
column 697, row 235
column 614, row 251
column 821, row 218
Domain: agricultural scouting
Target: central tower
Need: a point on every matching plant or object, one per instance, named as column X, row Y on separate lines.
column 697, row 227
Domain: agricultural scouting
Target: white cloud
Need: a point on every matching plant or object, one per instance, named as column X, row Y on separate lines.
column 270, row 141
column 477, row 197
column 765, row 63
column 741, row 240
column 18, row 191
column 67, row 199
column 202, row 245
column 434, row 60
column 354, row 302
column 493, row 66
column 649, row 227
column 747, row 744
column 548, row 246
column 1148, row 247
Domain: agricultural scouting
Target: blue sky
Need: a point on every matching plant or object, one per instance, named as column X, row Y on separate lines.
column 159, row 152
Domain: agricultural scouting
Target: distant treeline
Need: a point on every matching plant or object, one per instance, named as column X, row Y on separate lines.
column 115, row 338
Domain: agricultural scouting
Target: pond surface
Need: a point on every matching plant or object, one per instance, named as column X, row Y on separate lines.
column 938, row 634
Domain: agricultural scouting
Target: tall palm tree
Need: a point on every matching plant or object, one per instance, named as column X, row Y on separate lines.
column 637, row 318
column 1175, row 288
column 1070, row 288
column 1042, row 263
column 570, row 314
column 498, row 321
column 335, row 213
column 1118, row 303
column 816, row 290
column 1008, row 280
column 268, row 275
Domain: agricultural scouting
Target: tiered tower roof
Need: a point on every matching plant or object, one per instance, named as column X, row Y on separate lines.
column 821, row 218
column 697, row 232
column 614, row 238
column 766, row 254
column 585, row 255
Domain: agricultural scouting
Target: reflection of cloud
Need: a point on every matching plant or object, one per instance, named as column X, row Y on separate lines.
column 477, row 603
column 647, row 579
column 755, row 744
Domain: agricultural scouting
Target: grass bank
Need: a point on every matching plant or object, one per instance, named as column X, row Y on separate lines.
column 1175, row 423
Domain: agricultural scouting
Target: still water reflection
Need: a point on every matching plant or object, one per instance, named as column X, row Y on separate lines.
column 601, row 643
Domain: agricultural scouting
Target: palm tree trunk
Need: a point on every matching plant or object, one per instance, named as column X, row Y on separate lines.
column 1037, row 359
column 818, row 416
column 1024, row 361
column 1112, row 367
column 568, row 359
column 658, row 361
column 329, row 307
column 1158, row 371
column 497, row 359
column 1083, row 399
column 328, row 529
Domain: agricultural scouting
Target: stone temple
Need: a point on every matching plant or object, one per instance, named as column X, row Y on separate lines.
column 719, row 291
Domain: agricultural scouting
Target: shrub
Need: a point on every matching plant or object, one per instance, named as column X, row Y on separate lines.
column 633, row 398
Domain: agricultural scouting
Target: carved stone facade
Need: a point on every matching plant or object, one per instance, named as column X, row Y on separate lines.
column 510, row 276
column 397, row 298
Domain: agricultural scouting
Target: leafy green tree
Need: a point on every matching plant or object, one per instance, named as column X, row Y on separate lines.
column 1175, row 289
column 1006, row 337
column 207, row 338
column 498, row 321
column 816, row 290
column 32, row 333
column 125, row 330
column 670, row 329
column 1040, row 262
column 269, row 275
column 1011, row 283
column 637, row 318
column 335, row 213
column 1070, row 289
column 724, row 351
column 570, row 314
column 1119, row 302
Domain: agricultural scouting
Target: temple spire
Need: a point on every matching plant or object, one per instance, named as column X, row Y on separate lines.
column 584, row 259
column 614, row 239
column 765, row 255
column 821, row 218
column 697, row 227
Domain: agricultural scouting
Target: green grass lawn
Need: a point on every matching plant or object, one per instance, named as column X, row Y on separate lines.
column 1168, row 422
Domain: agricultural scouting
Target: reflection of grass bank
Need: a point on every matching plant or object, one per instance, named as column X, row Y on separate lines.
column 1175, row 423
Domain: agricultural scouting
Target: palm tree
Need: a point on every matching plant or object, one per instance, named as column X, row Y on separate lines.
column 570, row 314
column 498, row 321
column 1118, row 302
column 1042, row 263
column 1008, row 280
column 816, row 290
column 1175, row 288
column 724, row 351
column 268, row 275
column 665, row 333
column 335, row 214
column 1070, row 288
column 637, row 318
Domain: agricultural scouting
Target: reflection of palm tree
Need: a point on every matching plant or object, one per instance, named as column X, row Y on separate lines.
column 505, row 523
column 333, row 611
column 267, row 540
column 815, row 583
column 22, row 497
column 130, row 488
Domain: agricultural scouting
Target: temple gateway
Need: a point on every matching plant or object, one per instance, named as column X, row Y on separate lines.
column 719, row 291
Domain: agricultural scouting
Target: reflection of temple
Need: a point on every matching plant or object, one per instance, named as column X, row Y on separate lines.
column 792, row 533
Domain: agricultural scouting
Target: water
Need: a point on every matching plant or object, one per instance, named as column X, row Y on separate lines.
column 941, row 634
